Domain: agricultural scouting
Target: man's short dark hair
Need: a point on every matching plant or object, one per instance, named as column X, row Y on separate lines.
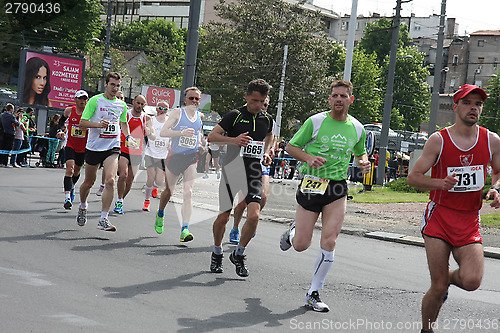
column 114, row 75
column 342, row 83
column 258, row 85
column 29, row 109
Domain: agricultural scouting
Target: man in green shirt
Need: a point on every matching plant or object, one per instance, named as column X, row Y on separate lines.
column 325, row 143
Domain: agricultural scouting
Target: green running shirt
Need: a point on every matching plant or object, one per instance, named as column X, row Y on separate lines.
column 321, row 135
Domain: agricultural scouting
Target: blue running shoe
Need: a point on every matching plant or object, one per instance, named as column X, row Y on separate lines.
column 72, row 194
column 118, row 208
column 234, row 236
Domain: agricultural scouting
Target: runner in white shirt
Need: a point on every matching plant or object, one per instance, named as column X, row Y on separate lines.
column 104, row 117
column 155, row 153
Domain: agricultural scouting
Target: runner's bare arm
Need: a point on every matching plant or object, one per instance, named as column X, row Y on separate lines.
column 300, row 155
column 495, row 170
column 430, row 154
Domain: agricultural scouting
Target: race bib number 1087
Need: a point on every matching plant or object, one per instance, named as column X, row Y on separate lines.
column 470, row 178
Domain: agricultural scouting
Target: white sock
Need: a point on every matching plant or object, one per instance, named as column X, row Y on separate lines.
column 67, row 196
column 321, row 268
column 149, row 189
column 217, row 249
column 104, row 215
column 83, row 205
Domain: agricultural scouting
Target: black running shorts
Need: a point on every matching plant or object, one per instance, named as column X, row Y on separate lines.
column 315, row 202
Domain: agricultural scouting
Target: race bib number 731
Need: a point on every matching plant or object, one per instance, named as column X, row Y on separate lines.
column 470, row 178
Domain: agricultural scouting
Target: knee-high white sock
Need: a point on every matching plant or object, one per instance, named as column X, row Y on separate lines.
column 321, row 268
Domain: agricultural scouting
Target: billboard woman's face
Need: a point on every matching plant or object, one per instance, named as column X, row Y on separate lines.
column 40, row 80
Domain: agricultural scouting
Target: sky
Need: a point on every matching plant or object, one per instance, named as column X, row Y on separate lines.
column 470, row 16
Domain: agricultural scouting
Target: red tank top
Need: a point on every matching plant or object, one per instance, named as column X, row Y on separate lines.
column 136, row 126
column 470, row 167
column 77, row 138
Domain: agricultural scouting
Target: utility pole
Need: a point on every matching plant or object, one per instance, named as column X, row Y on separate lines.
column 106, row 62
column 281, row 93
column 191, row 45
column 386, row 121
column 350, row 41
column 438, row 71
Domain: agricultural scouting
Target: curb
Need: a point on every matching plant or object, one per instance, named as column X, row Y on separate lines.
column 489, row 252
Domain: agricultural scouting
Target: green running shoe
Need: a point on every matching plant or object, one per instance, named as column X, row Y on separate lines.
column 186, row 236
column 158, row 224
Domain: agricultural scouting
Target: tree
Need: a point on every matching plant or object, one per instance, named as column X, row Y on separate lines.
column 365, row 77
column 164, row 45
column 68, row 28
column 378, row 38
column 411, row 93
column 93, row 68
column 249, row 44
column 490, row 117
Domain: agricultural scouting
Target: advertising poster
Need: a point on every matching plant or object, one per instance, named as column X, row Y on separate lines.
column 50, row 80
column 172, row 96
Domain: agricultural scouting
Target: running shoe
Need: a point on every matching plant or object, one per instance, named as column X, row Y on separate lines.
column 186, row 236
column 285, row 243
column 218, row 175
column 67, row 204
column 118, row 207
column 146, row 205
column 239, row 262
column 234, row 236
column 81, row 217
column 154, row 192
column 72, row 194
column 314, row 302
column 205, row 176
column 105, row 225
column 216, row 263
column 158, row 224
column 100, row 190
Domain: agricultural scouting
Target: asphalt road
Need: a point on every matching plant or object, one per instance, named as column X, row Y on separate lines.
column 58, row 277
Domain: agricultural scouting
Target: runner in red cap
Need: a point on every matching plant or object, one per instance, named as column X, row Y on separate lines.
column 459, row 156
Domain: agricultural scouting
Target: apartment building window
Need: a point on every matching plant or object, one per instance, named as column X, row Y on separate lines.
column 455, row 60
column 417, row 27
column 495, row 64
column 345, row 25
column 480, row 43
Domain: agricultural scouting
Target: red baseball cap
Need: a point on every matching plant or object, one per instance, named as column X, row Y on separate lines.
column 467, row 89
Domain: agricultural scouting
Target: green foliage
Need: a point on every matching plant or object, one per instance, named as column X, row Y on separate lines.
column 380, row 195
column 69, row 31
column 249, row 44
column 164, row 45
column 378, row 38
column 400, row 185
column 490, row 220
column 93, row 69
column 411, row 95
column 490, row 118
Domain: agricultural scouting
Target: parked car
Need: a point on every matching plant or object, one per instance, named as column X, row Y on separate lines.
column 377, row 129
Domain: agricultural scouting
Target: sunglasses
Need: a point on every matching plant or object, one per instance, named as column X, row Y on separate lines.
column 161, row 108
column 194, row 98
column 82, row 97
column 266, row 105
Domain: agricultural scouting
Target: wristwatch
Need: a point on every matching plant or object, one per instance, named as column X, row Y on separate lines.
column 496, row 188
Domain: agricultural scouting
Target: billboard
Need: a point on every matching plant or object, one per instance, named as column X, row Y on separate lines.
column 49, row 80
column 172, row 96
